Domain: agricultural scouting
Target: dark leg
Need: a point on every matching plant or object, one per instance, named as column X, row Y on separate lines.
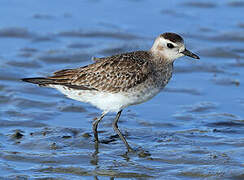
column 95, row 124
column 116, row 129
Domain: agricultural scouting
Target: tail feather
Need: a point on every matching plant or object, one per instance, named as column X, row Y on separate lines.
column 39, row 80
column 46, row 81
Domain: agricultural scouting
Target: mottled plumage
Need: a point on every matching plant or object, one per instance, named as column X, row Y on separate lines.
column 112, row 74
column 116, row 82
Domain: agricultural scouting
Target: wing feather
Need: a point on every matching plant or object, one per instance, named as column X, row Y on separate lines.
column 113, row 74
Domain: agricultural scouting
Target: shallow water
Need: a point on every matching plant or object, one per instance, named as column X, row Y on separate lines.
column 192, row 130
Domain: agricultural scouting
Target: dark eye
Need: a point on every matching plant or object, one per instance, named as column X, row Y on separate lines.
column 169, row 45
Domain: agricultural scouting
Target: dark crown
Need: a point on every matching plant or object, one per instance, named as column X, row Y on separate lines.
column 172, row 37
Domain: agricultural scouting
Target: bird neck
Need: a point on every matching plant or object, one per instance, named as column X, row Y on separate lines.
column 160, row 61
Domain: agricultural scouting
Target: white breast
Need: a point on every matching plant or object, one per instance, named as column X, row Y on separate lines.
column 109, row 102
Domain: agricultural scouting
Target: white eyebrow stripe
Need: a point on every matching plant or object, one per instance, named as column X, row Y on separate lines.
column 168, row 41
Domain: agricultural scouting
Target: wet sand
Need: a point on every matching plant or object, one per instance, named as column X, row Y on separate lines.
column 192, row 130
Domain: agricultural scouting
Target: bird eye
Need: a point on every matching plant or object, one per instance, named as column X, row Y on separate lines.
column 169, row 45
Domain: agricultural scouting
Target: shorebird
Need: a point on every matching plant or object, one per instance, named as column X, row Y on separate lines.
column 116, row 82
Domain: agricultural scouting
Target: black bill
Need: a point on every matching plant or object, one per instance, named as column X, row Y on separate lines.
column 190, row 54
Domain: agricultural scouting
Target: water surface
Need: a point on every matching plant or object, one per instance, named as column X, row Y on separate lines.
column 192, row 130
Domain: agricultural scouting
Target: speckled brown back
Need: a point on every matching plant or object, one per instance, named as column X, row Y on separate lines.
column 111, row 74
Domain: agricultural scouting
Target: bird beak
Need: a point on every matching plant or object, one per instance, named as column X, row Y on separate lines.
column 190, row 54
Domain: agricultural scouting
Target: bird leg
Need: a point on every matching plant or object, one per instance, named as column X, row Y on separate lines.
column 116, row 129
column 95, row 124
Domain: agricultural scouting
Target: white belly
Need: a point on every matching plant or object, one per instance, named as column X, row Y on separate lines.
column 109, row 102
